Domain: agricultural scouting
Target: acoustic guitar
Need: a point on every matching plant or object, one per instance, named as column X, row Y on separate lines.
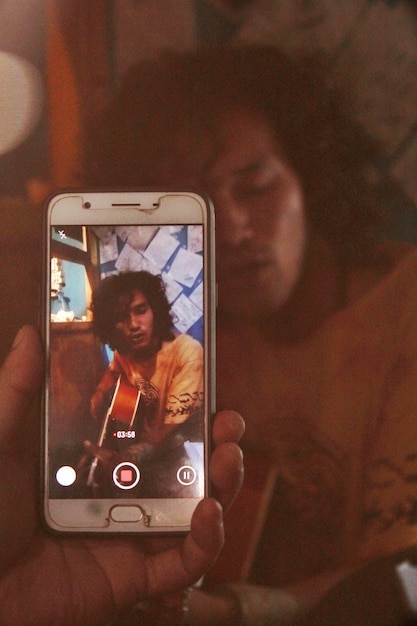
column 123, row 410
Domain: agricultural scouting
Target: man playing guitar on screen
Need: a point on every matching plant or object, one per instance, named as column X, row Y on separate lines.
column 153, row 386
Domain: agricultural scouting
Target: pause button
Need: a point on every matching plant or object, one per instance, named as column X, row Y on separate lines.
column 186, row 475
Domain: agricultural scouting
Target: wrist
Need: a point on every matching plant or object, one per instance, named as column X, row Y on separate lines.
column 216, row 607
column 168, row 610
column 251, row 605
column 141, row 452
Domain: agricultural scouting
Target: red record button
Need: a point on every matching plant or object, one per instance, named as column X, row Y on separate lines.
column 126, row 475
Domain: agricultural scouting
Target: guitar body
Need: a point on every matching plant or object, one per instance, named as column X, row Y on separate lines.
column 125, row 402
column 120, row 416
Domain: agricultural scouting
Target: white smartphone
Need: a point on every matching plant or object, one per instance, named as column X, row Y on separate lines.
column 129, row 305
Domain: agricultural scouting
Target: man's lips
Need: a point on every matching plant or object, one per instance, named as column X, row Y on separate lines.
column 137, row 338
column 245, row 264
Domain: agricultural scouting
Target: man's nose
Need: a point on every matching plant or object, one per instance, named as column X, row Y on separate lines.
column 134, row 321
column 233, row 222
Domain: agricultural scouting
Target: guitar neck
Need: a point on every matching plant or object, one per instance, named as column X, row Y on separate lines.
column 244, row 523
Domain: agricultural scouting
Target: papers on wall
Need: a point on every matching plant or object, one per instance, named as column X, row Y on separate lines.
column 186, row 313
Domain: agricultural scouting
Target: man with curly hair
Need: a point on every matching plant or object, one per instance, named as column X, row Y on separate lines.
column 132, row 316
column 317, row 310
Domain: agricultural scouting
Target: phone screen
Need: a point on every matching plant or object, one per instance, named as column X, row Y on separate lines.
column 127, row 417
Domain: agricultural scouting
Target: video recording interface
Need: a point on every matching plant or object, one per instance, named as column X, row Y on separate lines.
column 126, row 379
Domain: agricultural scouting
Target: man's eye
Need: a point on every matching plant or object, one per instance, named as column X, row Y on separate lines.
column 255, row 188
column 140, row 310
column 258, row 182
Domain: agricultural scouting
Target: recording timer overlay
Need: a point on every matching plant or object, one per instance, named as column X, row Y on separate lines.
column 124, row 434
column 175, row 253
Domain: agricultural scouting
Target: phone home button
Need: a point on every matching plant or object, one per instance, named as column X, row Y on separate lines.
column 124, row 513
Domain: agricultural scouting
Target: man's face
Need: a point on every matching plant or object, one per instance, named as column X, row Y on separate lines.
column 260, row 222
column 135, row 325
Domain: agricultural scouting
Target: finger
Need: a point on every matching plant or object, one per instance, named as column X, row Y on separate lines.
column 226, row 473
column 180, row 567
column 90, row 448
column 206, row 539
column 226, row 463
column 20, row 377
column 228, row 426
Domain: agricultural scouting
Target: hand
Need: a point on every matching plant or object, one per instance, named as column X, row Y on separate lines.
column 46, row 579
column 95, row 468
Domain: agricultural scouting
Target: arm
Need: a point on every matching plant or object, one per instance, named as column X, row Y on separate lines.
column 101, row 398
column 181, row 398
column 184, row 397
column 371, row 594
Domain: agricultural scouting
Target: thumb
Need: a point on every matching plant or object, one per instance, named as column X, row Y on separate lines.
column 20, row 377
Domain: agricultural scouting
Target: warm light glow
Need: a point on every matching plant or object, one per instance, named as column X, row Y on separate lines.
column 21, row 100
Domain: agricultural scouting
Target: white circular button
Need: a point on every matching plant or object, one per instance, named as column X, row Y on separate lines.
column 66, row 476
column 186, row 475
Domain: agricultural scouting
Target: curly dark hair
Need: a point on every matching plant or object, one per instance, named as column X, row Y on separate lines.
column 113, row 296
column 165, row 103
